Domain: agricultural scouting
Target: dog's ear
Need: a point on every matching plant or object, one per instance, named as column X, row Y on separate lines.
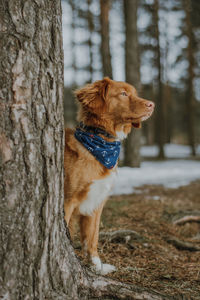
column 94, row 95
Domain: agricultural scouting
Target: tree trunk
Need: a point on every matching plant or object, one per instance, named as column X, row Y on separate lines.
column 190, row 102
column 90, row 43
column 105, row 46
column 132, row 143
column 73, row 42
column 160, row 124
column 37, row 260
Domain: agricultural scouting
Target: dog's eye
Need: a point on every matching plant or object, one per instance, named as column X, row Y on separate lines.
column 124, row 94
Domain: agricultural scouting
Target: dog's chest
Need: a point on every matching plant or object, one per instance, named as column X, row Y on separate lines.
column 99, row 191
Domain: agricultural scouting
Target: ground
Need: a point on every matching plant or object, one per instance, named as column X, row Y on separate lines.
column 148, row 260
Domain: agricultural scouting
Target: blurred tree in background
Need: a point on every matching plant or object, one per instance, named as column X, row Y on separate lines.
column 132, row 71
column 104, row 38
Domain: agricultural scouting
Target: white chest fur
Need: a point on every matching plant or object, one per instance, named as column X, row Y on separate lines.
column 99, row 191
column 121, row 135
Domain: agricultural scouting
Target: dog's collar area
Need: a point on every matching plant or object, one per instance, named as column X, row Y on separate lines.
column 107, row 153
column 95, row 130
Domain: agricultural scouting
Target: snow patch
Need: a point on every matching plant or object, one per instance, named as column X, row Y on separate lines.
column 171, row 174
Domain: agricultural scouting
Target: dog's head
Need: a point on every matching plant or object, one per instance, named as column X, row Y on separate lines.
column 115, row 101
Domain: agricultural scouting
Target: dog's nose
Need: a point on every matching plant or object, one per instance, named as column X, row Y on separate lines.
column 150, row 104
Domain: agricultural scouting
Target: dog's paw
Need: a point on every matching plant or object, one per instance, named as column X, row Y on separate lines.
column 106, row 269
column 100, row 268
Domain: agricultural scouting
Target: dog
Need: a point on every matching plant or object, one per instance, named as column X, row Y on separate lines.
column 108, row 111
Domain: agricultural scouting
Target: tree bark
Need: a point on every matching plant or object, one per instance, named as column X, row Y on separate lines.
column 132, row 67
column 160, row 124
column 105, row 38
column 37, row 260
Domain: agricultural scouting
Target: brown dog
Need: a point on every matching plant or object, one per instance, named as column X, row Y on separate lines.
column 111, row 109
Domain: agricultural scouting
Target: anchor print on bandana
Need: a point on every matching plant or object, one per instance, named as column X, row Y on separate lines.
column 107, row 153
column 103, row 153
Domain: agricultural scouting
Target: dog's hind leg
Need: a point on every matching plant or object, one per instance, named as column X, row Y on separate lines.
column 89, row 227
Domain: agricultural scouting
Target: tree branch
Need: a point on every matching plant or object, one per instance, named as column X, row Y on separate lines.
column 111, row 289
column 180, row 245
column 186, row 219
column 123, row 235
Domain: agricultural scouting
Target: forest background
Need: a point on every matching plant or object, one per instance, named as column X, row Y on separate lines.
column 152, row 44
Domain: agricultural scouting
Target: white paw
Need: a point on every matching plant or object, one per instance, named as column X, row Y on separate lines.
column 106, row 269
column 100, row 268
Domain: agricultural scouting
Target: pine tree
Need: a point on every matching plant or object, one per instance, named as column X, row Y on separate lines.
column 132, row 69
column 105, row 38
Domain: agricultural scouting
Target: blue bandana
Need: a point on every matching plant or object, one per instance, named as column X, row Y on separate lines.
column 107, row 153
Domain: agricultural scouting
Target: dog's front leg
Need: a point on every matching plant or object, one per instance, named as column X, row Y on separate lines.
column 89, row 227
column 69, row 206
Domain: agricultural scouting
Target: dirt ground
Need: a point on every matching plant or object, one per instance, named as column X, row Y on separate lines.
column 149, row 259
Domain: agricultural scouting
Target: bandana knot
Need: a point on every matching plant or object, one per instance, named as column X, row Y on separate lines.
column 107, row 153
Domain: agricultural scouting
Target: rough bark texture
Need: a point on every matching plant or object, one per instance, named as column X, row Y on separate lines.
column 132, row 144
column 37, row 260
column 105, row 38
column 33, row 238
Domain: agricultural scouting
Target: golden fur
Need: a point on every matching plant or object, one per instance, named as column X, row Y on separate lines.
column 115, row 107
